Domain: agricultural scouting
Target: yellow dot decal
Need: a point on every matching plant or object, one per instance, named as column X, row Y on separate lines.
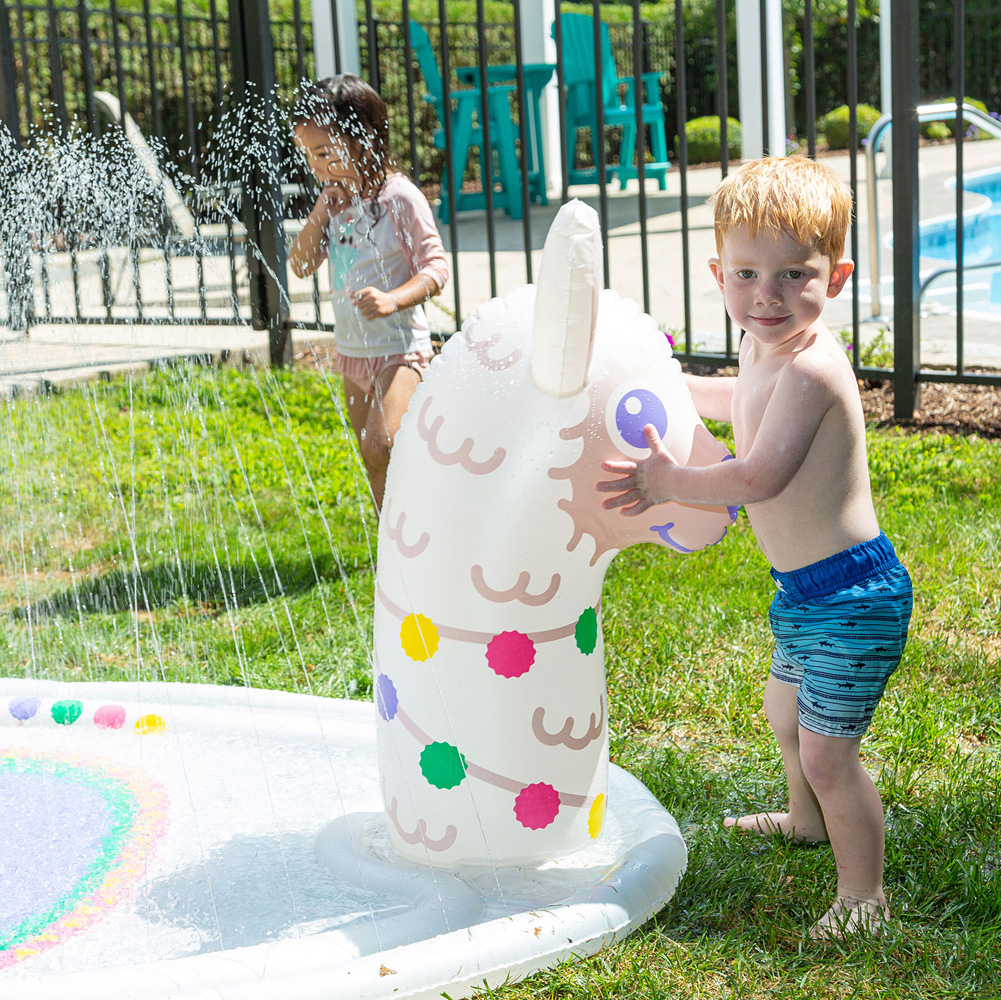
column 596, row 817
column 419, row 637
column 150, row 724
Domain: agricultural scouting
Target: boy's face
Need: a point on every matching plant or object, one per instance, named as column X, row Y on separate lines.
column 775, row 289
column 329, row 157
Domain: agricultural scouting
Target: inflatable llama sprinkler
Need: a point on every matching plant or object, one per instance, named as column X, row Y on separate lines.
column 490, row 674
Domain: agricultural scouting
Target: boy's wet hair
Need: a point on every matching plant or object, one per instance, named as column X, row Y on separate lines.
column 785, row 196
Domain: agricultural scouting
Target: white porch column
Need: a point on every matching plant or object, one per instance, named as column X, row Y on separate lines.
column 537, row 46
column 323, row 37
column 749, row 71
column 885, row 79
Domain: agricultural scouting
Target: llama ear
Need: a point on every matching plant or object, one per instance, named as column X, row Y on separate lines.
column 566, row 301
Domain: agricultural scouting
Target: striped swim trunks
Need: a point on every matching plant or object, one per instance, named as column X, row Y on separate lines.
column 840, row 626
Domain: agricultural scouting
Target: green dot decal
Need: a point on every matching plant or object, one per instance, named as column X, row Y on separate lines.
column 586, row 632
column 66, row 712
column 442, row 765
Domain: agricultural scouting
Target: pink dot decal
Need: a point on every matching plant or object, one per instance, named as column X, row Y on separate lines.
column 510, row 654
column 537, row 805
column 109, row 717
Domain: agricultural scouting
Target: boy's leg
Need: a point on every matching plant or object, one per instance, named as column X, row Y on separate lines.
column 804, row 819
column 853, row 813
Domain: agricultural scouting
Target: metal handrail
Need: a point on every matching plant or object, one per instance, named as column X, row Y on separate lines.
column 982, row 265
column 925, row 113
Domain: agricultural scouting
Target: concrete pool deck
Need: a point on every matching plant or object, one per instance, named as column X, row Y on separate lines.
column 65, row 353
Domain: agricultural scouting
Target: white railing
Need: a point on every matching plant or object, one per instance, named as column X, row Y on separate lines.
column 926, row 113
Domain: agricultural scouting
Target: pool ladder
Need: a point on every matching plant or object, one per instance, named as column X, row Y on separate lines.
column 926, row 113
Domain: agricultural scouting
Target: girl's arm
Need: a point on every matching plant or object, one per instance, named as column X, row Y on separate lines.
column 373, row 302
column 413, row 224
column 310, row 248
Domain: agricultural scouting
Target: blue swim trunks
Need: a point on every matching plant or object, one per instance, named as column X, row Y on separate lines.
column 840, row 626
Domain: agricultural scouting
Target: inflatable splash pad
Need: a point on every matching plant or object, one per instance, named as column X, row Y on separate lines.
column 191, row 841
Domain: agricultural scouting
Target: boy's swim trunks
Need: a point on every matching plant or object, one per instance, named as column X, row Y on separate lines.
column 840, row 626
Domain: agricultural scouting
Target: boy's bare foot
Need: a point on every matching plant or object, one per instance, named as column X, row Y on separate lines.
column 848, row 916
column 770, row 824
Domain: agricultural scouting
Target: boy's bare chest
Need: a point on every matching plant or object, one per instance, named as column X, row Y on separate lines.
column 751, row 396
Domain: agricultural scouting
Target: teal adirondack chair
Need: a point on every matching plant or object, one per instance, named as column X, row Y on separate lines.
column 579, row 78
column 467, row 134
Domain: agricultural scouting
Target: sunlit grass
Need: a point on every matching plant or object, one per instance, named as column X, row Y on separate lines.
column 212, row 527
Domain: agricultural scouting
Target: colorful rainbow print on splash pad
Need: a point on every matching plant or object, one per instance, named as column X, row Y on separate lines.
column 184, row 841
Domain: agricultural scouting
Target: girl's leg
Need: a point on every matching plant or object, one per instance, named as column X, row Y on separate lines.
column 853, row 814
column 360, row 403
column 393, row 391
column 804, row 819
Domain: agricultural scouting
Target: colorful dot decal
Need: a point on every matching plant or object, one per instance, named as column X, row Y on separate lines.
column 510, row 654
column 585, row 632
column 150, row 725
column 537, row 805
column 442, row 765
column 24, row 708
column 596, row 816
column 67, row 712
column 419, row 637
column 109, row 717
column 386, row 699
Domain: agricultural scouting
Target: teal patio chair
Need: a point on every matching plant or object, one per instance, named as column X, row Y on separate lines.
column 579, row 75
column 467, row 134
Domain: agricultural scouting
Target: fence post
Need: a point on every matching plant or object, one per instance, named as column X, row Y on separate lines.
column 15, row 246
column 261, row 206
column 906, row 234
column 8, row 79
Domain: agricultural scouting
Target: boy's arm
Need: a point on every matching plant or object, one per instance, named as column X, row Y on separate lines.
column 787, row 430
column 712, row 395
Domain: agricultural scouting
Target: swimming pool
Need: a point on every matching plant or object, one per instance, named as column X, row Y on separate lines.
column 981, row 232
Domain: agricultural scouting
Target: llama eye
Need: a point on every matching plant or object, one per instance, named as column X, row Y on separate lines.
column 634, row 410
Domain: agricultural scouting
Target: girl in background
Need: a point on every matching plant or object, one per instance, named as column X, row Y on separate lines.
column 386, row 258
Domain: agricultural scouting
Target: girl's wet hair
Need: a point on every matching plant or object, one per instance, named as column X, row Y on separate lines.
column 349, row 107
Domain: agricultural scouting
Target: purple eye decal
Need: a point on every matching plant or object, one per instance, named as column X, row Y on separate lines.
column 635, row 410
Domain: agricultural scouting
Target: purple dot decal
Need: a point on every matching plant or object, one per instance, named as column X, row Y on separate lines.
column 23, row 708
column 635, row 410
column 109, row 717
column 537, row 805
column 386, row 699
column 510, row 654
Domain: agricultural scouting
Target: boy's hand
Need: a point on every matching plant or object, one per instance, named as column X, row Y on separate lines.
column 373, row 303
column 643, row 483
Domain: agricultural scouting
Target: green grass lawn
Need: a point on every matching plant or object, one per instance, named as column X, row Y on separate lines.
column 211, row 526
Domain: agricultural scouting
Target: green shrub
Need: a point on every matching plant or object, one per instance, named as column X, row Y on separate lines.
column 835, row 124
column 703, row 139
column 945, row 127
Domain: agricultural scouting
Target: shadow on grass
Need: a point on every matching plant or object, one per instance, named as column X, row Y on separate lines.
column 215, row 587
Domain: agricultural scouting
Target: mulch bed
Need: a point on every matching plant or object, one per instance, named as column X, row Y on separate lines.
column 945, row 407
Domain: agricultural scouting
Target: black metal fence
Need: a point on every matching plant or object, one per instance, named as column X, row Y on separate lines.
column 173, row 72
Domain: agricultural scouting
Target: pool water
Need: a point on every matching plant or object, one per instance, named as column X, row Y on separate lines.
column 981, row 229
